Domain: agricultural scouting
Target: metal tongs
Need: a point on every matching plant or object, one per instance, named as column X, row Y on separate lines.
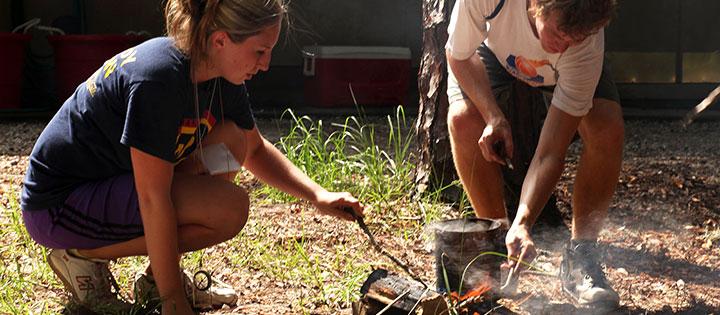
column 381, row 250
column 509, row 288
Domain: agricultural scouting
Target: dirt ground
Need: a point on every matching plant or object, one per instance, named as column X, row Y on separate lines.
column 661, row 255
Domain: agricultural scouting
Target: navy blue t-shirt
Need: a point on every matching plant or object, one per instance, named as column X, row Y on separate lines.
column 141, row 98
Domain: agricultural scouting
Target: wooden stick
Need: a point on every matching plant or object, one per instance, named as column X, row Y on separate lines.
column 711, row 98
column 393, row 302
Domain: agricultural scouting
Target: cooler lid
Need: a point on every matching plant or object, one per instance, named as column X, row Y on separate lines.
column 357, row 52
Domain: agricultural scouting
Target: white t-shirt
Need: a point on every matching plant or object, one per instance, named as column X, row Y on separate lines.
column 509, row 35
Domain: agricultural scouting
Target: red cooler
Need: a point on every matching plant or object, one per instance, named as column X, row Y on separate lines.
column 12, row 57
column 78, row 56
column 373, row 75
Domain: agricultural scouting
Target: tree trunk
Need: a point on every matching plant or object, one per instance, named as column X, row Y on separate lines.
column 524, row 108
column 435, row 167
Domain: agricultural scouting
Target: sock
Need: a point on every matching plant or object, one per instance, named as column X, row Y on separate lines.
column 75, row 253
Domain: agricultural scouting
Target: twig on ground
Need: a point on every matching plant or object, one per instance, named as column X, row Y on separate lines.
column 382, row 311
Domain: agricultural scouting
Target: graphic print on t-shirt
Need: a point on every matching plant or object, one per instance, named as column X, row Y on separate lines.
column 119, row 60
column 189, row 130
column 526, row 69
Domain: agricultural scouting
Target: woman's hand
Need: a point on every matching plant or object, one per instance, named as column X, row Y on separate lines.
column 337, row 203
column 497, row 131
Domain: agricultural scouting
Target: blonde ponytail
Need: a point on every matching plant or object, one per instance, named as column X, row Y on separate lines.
column 191, row 22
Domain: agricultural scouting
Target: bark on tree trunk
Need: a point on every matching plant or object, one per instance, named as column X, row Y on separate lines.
column 524, row 109
column 435, row 166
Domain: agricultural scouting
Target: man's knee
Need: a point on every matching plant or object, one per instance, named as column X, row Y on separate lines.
column 606, row 128
column 464, row 121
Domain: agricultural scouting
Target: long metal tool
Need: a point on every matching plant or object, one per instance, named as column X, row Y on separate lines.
column 711, row 98
column 381, row 250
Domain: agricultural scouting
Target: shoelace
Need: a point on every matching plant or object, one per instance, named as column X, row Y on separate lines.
column 596, row 274
column 194, row 292
column 587, row 260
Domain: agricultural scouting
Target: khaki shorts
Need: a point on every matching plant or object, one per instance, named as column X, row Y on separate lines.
column 499, row 77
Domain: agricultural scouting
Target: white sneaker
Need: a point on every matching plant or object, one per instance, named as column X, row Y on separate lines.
column 216, row 296
column 89, row 280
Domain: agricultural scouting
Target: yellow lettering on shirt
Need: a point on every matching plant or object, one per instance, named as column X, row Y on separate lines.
column 128, row 56
column 110, row 66
column 90, row 83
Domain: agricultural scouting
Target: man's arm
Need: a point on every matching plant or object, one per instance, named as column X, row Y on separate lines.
column 473, row 79
column 547, row 164
column 544, row 173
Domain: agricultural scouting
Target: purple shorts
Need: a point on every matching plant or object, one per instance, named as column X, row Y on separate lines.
column 96, row 214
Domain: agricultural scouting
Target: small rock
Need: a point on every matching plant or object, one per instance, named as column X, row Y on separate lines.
column 680, row 284
column 622, row 271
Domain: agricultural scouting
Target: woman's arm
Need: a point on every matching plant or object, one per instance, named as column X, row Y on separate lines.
column 153, row 182
column 272, row 167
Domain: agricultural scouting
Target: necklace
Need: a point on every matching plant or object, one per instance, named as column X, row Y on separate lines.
column 198, row 134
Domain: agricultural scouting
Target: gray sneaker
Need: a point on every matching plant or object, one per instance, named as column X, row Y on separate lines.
column 583, row 278
column 217, row 295
column 89, row 280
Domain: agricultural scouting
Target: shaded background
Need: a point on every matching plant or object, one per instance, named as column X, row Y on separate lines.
column 664, row 53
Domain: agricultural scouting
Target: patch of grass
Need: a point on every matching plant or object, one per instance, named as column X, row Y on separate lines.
column 351, row 156
column 348, row 157
column 25, row 279
column 319, row 277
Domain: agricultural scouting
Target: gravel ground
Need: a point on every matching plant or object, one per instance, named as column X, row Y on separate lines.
column 660, row 256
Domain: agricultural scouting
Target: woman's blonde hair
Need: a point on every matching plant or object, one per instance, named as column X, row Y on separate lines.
column 191, row 22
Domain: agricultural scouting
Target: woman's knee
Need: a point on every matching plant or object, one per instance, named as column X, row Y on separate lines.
column 235, row 215
column 218, row 205
column 464, row 121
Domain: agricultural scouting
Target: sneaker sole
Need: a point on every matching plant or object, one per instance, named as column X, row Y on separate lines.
column 68, row 285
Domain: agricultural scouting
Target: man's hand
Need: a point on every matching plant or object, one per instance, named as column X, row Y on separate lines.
column 520, row 247
column 334, row 203
column 496, row 131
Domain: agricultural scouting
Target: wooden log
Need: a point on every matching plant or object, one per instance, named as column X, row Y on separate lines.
column 393, row 294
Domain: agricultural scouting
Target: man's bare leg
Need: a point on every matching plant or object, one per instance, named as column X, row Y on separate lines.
column 481, row 179
column 602, row 132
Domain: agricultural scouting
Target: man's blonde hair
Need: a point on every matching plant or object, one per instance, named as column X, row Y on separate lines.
column 578, row 18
